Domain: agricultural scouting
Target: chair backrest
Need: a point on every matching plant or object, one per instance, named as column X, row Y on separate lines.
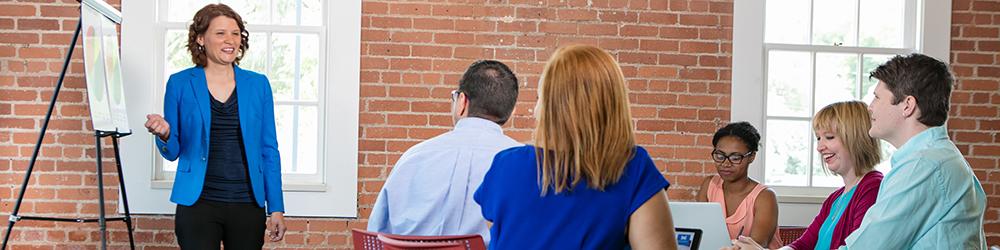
column 365, row 240
column 789, row 234
column 394, row 244
column 468, row 241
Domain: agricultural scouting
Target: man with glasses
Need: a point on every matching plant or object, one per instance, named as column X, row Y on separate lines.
column 429, row 191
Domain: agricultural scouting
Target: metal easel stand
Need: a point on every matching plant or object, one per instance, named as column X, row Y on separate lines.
column 102, row 219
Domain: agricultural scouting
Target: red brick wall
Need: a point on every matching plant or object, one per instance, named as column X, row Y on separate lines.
column 675, row 54
column 975, row 119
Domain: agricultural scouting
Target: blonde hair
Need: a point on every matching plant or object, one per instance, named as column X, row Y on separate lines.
column 850, row 121
column 584, row 127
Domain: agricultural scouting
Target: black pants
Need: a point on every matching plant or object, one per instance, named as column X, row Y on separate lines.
column 206, row 223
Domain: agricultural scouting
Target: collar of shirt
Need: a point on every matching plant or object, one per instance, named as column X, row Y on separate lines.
column 920, row 141
column 476, row 123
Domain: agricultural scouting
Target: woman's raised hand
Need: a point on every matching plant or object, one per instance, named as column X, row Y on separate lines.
column 158, row 126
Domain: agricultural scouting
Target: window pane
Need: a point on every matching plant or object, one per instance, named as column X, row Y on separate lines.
column 312, row 12
column 183, row 10
column 294, row 66
column 871, row 61
column 787, row 152
column 882, row 23
column 252, row 11
column 298, row 12
column 298, row 135
column 282, row 70
column 834, row 22
column 836, row 78
column 309, row 67
column 168, row 166
column 284, row 123
column 787, row 21
column 255, row 58
column 176, row 53
column 308, row 135
column 788, row 84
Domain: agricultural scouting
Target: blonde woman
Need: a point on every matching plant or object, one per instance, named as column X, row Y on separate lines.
column 585, row 184
column 848, row 151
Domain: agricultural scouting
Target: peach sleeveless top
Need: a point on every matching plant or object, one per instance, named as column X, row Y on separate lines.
column 743, row 217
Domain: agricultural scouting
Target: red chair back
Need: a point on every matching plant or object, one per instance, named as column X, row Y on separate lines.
column 789, row 234
column 394, row 244
column 468, row 242
column 365, row 240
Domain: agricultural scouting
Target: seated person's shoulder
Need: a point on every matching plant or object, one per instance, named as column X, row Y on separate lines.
column 516, row 151
column 945, row 162
column 640, row 157
column 768, row 191
column 706, row 181
column 874, row 174
column 515, row 155
column 937, row 156
column 639, row 150
column 872, row 179
column 767, row 196
column 702, row 194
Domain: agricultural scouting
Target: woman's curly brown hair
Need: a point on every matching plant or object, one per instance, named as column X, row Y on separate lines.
column 200, row 25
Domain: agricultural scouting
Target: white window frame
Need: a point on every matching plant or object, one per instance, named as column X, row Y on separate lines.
column 931, row 29
column 340, row 42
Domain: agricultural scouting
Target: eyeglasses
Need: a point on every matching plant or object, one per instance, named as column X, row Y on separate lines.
column 454, row 94
column 735, row 158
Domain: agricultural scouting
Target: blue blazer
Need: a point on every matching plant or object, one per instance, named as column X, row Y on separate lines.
column 186, row 107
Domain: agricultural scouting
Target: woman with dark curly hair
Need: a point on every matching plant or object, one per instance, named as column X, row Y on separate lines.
column 751, row 209
column 218, row 120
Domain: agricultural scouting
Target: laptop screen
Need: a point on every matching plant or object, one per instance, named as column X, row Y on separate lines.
column 704, row 216
column 688, row 238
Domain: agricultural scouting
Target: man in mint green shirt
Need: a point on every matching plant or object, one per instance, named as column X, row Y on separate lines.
column 930, row 199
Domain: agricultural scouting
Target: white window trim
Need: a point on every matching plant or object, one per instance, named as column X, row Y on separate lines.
column 339, row 111
column 933, row 36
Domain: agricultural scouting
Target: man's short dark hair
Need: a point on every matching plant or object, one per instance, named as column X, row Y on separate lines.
column 491, row 88
column 742, row 130
column 924, row 78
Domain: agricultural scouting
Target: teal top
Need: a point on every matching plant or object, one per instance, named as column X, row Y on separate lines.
column 930, row 200
column 836, row 210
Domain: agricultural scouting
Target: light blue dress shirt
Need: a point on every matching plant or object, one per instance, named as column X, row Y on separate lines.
column 429, row 191
column 930, row 200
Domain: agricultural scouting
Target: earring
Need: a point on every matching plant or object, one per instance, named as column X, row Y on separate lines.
column 201, row 48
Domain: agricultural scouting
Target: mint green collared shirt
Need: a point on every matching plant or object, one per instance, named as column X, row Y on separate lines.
column 930, row 200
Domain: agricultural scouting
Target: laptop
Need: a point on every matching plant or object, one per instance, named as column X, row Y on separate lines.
column 704, row 216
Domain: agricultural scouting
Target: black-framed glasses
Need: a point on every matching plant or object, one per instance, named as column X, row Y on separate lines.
column 454, row 94
column 734, row 158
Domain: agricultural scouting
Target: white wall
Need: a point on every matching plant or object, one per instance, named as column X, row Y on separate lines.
column 797, row 214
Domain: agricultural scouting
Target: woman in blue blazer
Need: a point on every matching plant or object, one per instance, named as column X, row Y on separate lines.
column 218, row 120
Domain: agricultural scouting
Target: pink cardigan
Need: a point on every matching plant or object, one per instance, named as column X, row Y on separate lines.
column 864, row 197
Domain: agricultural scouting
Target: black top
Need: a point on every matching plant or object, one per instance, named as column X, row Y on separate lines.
column 226, row 178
